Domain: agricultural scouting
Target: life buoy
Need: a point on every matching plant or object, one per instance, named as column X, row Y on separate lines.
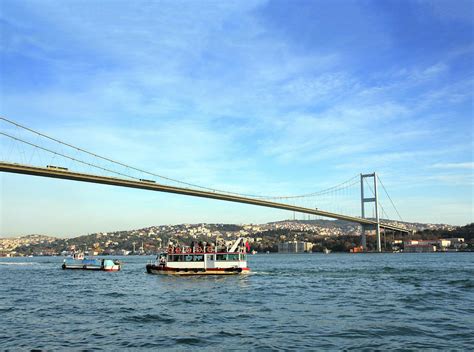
column 170, row 250
column 209, row 249
column 177, row 250
column 188, row 250
column 198, row 250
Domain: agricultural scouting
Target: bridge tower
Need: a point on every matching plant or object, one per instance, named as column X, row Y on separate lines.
column 374, row 200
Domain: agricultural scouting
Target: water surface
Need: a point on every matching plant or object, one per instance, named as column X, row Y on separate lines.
column 308, row 302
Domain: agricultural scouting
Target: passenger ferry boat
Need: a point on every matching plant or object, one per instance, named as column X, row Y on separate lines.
column 77, row 261
column 202, row 259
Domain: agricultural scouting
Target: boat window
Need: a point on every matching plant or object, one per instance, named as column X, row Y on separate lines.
column 224, row 257
column 176, row 258
column 185, row 258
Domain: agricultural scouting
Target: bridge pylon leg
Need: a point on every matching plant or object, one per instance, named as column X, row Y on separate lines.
column 379, row 239
column 363, row 239
column 376, row 204
column 374, row 200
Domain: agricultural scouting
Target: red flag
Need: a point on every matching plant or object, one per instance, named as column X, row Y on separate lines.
column 247, row 246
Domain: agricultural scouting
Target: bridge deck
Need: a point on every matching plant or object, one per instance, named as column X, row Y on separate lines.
column 69, row 175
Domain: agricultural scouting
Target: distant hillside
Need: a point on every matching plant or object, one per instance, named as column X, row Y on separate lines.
column 346, row 224
column 466, row 232
column 337, row 234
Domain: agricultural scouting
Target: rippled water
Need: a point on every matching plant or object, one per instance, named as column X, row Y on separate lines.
column 309, row 302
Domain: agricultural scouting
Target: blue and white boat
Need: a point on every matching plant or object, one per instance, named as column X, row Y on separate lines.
column 77, row 261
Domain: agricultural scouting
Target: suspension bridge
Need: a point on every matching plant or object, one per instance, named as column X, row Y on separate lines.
column 30, row 152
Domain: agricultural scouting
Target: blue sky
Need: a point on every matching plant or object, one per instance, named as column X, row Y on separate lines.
column 266, row 97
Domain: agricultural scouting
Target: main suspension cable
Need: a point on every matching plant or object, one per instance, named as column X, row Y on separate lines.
column 165, row 177
column 67, row 156
column 393, row 204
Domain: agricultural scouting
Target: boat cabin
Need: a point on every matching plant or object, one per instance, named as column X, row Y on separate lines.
column 201, row 259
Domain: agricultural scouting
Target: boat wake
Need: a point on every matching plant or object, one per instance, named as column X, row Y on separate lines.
column 259, row 273
column 19, row 263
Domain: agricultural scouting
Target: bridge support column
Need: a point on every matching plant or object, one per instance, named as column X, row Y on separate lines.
column 377, row 227
column 363, row 239
column 379, row 240
column 374, row 200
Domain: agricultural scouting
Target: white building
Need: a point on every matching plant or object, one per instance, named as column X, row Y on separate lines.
column 294, row 247
column 419, row 247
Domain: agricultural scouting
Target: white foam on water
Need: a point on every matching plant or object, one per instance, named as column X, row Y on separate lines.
column 19, row 263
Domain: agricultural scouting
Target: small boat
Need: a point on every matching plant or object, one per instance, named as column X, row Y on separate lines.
column 202, row 259
column 77, row 261
column 326, row 251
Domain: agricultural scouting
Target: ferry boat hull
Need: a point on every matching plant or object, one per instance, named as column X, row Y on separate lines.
column 163, row 270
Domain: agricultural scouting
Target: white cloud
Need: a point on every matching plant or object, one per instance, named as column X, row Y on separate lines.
column 453, row 179
column 465, row 165
column 211, row 95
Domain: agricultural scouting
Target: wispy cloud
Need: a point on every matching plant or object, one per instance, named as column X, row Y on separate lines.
column 254, row 96
column 465, row 165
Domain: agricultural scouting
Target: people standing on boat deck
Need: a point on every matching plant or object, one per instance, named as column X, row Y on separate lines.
column 220, row 245
column 192, row 246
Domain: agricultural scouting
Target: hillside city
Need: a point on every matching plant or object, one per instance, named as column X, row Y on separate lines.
column 318, row 235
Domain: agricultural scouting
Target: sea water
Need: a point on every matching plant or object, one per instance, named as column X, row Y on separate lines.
column 288, row 302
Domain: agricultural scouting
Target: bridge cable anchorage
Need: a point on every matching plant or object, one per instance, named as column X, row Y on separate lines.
column 68, row 157
column 165, row 177
column 393, row 204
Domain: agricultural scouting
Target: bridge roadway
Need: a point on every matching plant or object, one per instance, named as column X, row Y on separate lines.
column 113, row 181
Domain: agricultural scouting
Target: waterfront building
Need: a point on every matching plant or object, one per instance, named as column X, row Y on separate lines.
column 419, row 246
column 440, row 245
column 457, row 242
column 358, row 249
column 294, row 247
